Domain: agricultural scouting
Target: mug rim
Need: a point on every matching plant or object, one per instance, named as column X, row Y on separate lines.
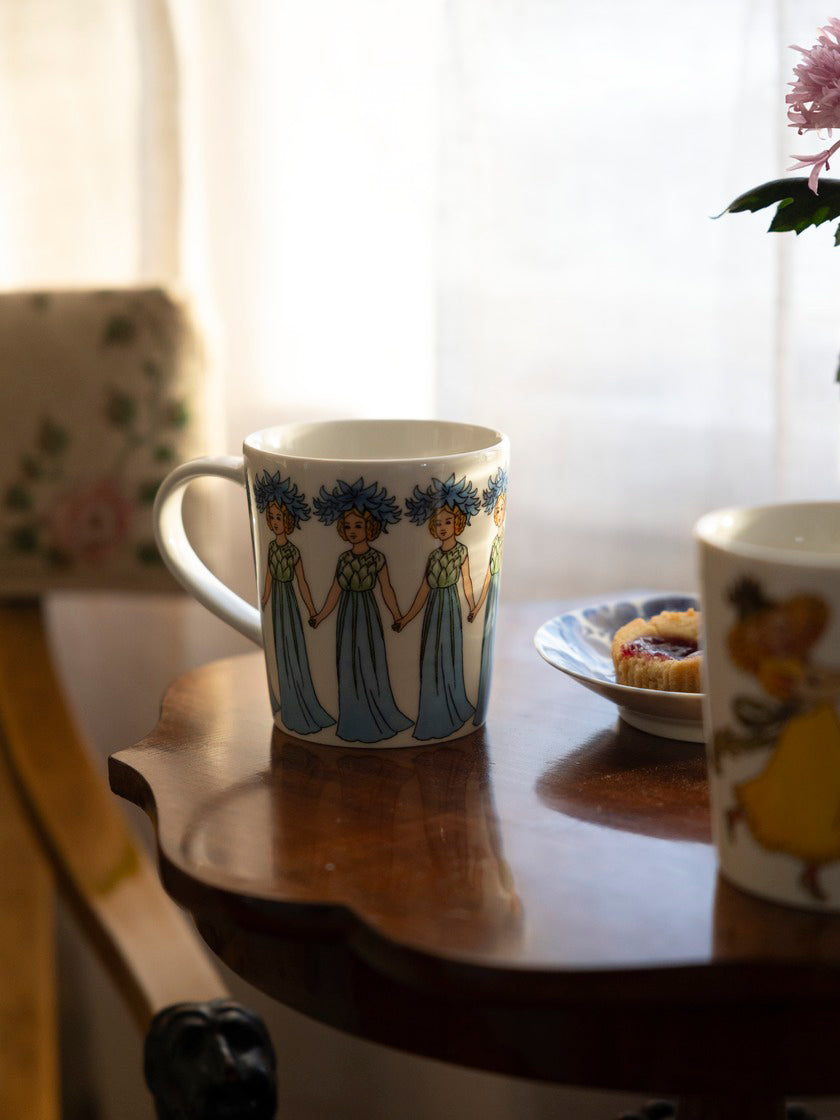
column 484, row 439
column 707, row 531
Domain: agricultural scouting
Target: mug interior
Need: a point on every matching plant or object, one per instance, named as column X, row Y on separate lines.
column 803, row 532
column 365, row 440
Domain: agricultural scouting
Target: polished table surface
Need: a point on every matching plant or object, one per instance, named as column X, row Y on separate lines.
column 538, row 898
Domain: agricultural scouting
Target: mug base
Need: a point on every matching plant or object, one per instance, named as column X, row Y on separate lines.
column 327, row 737
column 794, row 893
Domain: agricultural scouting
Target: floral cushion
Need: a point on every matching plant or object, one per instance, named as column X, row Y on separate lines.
column 102, row 397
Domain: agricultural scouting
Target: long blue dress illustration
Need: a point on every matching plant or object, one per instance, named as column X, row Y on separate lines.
column 367, row 711
column 446, row 507
column 284, row 508
column 494, row 501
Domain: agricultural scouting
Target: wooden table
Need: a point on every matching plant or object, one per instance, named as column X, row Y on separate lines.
column 539, row 898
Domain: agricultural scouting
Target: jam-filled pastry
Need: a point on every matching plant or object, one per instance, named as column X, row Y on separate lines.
column 661, row 652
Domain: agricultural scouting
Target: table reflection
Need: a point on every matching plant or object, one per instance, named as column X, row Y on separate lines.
column 746, row 927
column 408, row 839
column 625, row 779
column 405, row 837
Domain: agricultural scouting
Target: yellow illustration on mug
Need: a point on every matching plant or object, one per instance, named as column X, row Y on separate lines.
column 793, row 805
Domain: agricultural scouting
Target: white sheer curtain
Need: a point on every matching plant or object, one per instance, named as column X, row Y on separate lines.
column 648, row 362
column 501, row 210
column 487, row 209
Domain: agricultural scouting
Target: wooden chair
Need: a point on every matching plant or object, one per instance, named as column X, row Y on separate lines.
column 73, row 519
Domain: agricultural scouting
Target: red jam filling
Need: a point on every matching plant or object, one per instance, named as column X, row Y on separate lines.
column 659, row 648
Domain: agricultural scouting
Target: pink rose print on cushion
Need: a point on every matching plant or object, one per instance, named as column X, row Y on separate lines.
column 88, row 523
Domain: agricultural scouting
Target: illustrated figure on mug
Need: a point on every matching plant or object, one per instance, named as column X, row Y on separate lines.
column 284, row 509
column 494, row 502
column 793, row 805
column 446, row 508
column 367, row 711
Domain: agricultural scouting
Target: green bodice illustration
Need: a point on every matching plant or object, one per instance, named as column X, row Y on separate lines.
column 282, row 559
column 496, row 556
column 359, row 572
column 445, row 567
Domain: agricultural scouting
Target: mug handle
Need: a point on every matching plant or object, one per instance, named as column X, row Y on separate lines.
column 180, row 556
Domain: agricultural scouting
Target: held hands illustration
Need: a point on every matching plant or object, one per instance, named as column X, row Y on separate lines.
column 354, row 529
column 399, row 624
column 367, row 709
column 357, row 532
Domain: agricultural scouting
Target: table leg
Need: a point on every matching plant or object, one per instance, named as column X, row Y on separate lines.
column 730, row 1107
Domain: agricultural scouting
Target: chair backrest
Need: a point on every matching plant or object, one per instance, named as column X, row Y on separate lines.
column 103, row 392
column 102, row 395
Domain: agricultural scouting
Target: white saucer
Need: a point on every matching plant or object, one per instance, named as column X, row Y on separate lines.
column 578, row 643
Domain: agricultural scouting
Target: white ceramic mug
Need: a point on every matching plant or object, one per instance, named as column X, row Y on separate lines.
column 378, row 548
column 770, row 584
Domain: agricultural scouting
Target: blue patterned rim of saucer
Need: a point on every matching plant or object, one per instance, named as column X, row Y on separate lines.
column 578, row 643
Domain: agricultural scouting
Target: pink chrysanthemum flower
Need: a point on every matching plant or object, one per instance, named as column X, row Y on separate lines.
column 814, row 103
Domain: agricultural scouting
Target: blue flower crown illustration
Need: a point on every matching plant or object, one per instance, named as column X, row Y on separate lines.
column 439, row 494
column 372, row 499
column 496, row 486
column 272, row 488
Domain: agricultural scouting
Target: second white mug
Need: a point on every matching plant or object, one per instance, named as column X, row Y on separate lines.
column 770, row 582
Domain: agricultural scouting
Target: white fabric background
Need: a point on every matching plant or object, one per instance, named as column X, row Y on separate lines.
column 497, row 210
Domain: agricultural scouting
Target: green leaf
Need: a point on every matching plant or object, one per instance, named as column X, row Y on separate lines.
column 18, row 498
column 24, row 538
column 120, row 408
column 147, row 491
column 798, row 206
column 177, row 415
column 163, row 453
column 30, row 467
column 52, row 439
column 151, row 369
column 147, row 553
column 58, row 559
column 119, row 331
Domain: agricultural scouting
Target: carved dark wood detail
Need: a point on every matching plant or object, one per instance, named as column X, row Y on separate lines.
column 210, row 1061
